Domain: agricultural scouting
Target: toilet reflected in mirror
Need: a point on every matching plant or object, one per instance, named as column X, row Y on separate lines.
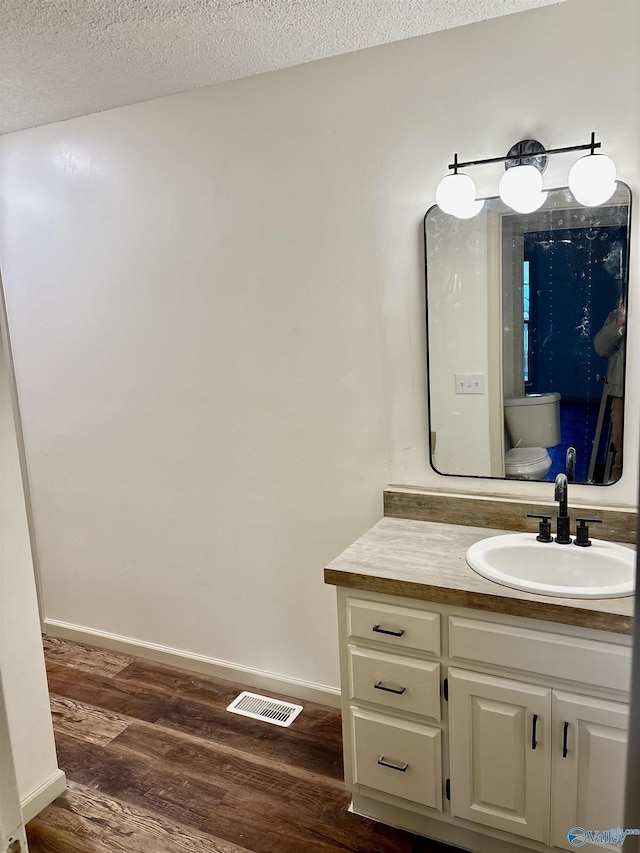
column 532, row 426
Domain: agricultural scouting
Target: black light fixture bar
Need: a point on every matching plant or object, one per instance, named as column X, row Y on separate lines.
column 590, row 146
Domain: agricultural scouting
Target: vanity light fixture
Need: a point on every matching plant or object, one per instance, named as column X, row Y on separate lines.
column 592, row 179
column 456, row 194
column 521, row 188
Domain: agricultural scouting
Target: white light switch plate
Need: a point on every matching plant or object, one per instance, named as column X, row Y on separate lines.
column 469, row 383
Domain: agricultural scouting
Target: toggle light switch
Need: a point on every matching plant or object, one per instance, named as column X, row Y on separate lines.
column 469, row 383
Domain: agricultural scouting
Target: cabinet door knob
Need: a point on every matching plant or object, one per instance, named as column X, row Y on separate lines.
column 401, row 767
column 380, row 686
column 565, row 749
column 380, row 630
column 534, row 726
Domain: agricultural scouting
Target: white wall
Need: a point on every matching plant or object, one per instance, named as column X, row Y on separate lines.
column 217, row 307
column 21, row 657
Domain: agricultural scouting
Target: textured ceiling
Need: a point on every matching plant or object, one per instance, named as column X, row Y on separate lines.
column 64, row 58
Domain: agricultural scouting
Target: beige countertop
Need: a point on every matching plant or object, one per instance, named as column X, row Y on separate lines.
column 426, row 561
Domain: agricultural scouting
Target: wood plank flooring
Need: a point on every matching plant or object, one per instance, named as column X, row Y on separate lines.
column 155, row 764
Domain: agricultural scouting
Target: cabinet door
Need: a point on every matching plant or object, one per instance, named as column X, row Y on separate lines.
column 499, row 742
column 588, row 766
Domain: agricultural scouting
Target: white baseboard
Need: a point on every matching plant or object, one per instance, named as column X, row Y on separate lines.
column 40, row 797
column 261, row 679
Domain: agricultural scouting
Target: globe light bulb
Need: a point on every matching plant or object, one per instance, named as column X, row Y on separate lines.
column 592, row 179
column 456, row 195
column 521, row 188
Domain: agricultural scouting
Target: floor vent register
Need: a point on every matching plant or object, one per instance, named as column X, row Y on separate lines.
column 263, row 708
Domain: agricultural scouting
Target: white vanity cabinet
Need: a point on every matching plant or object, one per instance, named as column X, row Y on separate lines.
column 484, row 731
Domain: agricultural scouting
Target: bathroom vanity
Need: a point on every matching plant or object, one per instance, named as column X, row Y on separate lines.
column 481, row 716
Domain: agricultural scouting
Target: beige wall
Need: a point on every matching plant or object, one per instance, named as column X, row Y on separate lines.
column 217, row 307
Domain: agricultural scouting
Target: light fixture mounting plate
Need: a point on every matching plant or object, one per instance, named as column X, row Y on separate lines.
column 527, row 152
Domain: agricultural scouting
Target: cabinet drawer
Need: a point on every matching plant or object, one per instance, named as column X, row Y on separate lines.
column 395, row 682
column 396, row 757
column 593, row 662
column 398, row 626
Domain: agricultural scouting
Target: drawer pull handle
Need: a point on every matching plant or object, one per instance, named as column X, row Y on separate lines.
column 565, row 748
column 534, row 726
column 380, row 686
column 380, row 630
column 401, row 767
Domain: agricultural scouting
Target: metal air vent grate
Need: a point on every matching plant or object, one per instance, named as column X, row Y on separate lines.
column 262, row 708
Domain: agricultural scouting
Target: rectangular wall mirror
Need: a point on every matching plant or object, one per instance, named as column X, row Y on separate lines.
column 526, row 338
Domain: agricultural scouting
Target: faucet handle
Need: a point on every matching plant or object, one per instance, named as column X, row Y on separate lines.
column 544, row 528
column 582, row 531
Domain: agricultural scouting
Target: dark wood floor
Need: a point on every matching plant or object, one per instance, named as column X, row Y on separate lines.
column 155, row 764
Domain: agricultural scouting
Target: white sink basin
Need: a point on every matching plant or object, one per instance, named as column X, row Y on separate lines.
column 518, row 560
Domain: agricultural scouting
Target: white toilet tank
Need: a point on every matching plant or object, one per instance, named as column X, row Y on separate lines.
column 533, row 420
